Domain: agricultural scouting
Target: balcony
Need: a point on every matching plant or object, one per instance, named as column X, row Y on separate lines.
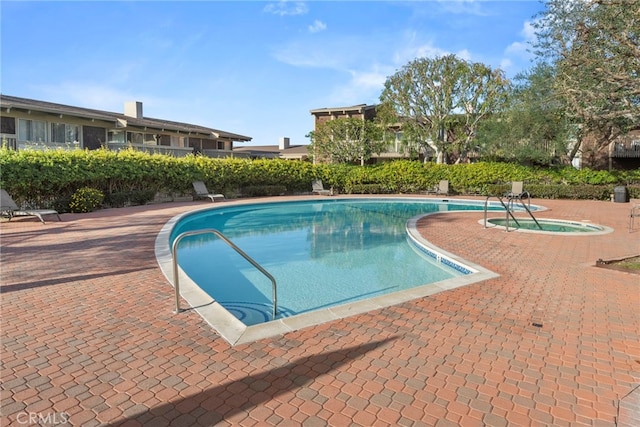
column 152, row 149
column 629, row 150
column 172, row 151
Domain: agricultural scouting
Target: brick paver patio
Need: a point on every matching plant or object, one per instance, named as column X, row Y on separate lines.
column 89, row 336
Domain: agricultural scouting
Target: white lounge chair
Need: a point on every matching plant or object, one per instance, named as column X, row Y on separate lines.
column 517, row 191
column 318, row 188
column 201, row 191
column 9, row 208
column 441, row 188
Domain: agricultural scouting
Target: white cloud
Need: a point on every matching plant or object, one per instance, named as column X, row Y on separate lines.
column 364, row 86
column 413, row 49
column 528, row 31
column 424, row 51
column 362, row 68
column 517, row 48
column 88, row 95
column 287, row 8
column 468, row 7
column 505, row 64
column 317, row 26
column 520, row 48
column 108, row 98
column 301, row 54
column 464, row 54
column 369, row 79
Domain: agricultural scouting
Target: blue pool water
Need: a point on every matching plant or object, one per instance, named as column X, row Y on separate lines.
column 322, row 253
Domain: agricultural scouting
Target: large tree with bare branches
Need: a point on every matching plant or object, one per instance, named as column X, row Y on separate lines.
column 595, row 47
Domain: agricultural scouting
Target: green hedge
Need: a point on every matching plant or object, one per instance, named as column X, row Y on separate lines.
column 49, row 178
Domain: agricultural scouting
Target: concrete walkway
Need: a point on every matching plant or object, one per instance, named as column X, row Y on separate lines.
column 89, row 336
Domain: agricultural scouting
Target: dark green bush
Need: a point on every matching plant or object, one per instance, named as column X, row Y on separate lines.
column 120, row 199
column 85, row 199
column 367, row 189
column 565, row 191
column 263, row 190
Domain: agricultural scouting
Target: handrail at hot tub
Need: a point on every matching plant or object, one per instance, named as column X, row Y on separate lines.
column 508, row 207
column 233, row 246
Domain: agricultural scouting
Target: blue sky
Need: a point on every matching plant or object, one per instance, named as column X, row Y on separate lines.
column 250, row 67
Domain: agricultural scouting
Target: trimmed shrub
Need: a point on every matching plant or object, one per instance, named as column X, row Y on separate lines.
column 44, row 178
column 121, row 199
column 367, row 189
column 263, row 190
column 85, row 199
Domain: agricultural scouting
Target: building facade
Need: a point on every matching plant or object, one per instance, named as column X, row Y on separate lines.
column 29, row 123
column 395, row 150
column 623, row 153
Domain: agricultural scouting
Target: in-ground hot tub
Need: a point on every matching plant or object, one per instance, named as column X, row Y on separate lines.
column 549, row 226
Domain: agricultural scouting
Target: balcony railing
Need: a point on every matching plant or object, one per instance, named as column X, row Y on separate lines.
column 626, row 151
column 174, row 151
column 153, row 149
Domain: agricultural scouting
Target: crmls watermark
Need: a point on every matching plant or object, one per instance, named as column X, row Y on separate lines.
column 40, row 419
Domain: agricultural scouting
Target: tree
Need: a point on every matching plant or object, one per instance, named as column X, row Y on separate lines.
column 534, row 128
column 595, row 46
column 346, row 140
column 427, row 94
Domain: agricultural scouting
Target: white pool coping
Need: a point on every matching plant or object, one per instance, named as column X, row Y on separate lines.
column 235, row 332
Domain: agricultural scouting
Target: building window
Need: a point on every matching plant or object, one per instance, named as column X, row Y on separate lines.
column 177, row 141
column 220, row 145
column 32, row 130
column 63, row 133
column 116, row 136
column 135, row 138
column 8, row 125
column 150, row 139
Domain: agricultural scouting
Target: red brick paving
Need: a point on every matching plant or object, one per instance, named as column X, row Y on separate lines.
column 89, row 334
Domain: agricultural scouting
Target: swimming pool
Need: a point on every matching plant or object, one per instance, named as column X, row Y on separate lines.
column 331, row 257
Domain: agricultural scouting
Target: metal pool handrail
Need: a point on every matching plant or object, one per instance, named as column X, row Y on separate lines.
column 528, row 209
column 235, row 248
column 508, row 209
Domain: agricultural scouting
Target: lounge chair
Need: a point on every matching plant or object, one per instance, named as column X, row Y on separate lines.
column 441, row 188
column 9, row 209
column 318, row 188
column 517, row 191
column 202, row 192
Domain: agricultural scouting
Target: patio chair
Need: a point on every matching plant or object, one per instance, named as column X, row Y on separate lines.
column 202, row 192
column 517, row 191
column 318, row 188
column 441, row 188
column 9, row 209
